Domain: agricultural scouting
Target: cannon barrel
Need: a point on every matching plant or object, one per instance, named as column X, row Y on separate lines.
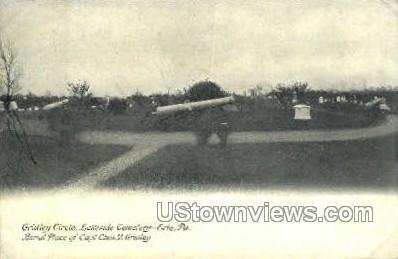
column 194, row 105
column 55, row 105
column 375, row 102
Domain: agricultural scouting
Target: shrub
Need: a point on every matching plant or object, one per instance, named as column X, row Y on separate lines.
column 117, row 106
column 203, row 91
column 65, row 123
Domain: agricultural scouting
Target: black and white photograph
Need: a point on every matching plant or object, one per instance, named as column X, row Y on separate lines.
column 198, row 129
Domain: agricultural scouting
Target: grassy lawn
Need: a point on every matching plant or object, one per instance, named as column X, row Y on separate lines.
column 252, row 117
column 56, row 164
column 349, row 164
column 267, row 119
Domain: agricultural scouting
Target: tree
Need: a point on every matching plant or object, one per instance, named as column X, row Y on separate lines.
column 9, row 76
column 80, row 92
column 204, row 122
column 79, row 89
column 67, row 122
column 10, row 72
column 204, row 90
column 286, row 93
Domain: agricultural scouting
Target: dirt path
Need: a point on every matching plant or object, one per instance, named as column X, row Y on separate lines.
column 144, row 144
column 390, row 126
column 113, row 167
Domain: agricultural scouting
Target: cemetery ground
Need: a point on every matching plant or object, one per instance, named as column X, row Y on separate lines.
column 56, row 164
column 350, row 158
column 265, row 115
column 357, row 164
column 261, row 115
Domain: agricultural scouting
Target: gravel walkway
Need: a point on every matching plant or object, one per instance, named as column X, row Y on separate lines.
column 144, row 144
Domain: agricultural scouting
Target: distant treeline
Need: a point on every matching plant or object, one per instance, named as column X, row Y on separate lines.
column 285, row 95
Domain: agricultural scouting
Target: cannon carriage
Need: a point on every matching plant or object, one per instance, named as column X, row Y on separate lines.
column 201, row 117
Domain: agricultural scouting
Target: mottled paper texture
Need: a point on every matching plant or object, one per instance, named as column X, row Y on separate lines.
column 304, row 115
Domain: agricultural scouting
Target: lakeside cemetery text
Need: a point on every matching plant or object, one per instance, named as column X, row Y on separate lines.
column 96, row 232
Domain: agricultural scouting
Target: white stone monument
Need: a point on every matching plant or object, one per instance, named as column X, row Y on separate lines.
column 295, row 99
column 302, row 112
column 384, row 107
column 13, row 106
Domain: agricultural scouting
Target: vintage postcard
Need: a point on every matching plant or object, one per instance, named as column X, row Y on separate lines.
column 198, row 129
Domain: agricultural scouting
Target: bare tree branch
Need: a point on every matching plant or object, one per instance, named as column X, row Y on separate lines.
column 10, row 72
column 9, row 76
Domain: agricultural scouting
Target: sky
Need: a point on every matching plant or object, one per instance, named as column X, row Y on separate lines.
column 123, row 46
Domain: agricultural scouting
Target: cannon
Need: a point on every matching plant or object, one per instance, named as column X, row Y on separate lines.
column 205, row 117
column 194, row 105
column 55, row 105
